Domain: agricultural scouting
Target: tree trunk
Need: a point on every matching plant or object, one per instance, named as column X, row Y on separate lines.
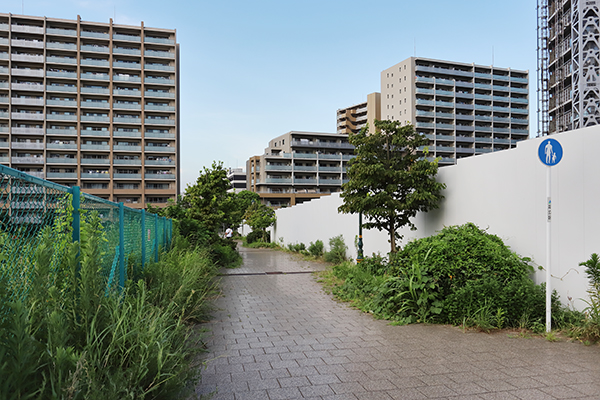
column 392, row 241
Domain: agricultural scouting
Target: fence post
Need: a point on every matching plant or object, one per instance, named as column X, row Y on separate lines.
column 164, row 223
column 121, row 246
column 156, row 237
column 143, row 238
column 76, row 202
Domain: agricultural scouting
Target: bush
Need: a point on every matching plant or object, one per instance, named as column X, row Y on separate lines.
column 297, row 248
column 224, row 253
column 258, row 236
column 316, row 249
column 337, row 250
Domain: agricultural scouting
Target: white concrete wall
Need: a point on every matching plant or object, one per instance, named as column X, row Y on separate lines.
column 504, row 192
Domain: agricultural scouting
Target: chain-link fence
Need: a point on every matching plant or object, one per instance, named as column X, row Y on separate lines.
column 31, row 207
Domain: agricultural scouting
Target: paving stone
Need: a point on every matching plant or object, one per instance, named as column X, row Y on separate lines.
column 281, row 337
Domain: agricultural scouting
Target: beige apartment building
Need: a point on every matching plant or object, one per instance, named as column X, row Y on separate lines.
column 91, row 104
column 298, row 167
column 354, row 118
column 464, row 109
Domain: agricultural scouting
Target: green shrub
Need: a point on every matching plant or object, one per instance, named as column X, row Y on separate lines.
column 254, row 236
column 297, row 247
column 337, row 250
column 224, row 253
column 316, row 249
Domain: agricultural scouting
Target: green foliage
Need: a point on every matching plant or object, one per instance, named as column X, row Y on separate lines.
column 259, row 217
column 463, row 275
column 254, row 236
column 592, row 269
column 71, row 338
column 337, row 250
column 389, row 180
column 297, row 247
column 588, row 329
column 225, row 254
column 316, row 249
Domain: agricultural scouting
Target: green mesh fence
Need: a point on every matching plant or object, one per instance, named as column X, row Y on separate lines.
column 30, row 206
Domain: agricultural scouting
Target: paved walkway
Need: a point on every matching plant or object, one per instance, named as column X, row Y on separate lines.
column 279, row 336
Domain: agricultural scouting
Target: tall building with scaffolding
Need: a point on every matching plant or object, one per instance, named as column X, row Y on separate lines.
column 568, row 65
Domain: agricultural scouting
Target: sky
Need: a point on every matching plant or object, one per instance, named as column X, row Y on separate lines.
column 254, row 70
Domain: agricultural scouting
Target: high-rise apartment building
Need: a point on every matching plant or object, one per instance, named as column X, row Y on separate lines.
column 91, row 104
column 464, row 109
column 569, row 65
column 298, row 167
column 354, row 118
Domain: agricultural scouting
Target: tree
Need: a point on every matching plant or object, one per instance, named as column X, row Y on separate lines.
column 259, row 217
column 390, row 180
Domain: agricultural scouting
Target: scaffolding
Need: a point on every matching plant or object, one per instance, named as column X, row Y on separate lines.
column 543, row 89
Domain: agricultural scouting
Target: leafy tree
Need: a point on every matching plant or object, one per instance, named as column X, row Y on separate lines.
column 390, row 180
column 238, row 204
column 259, row 217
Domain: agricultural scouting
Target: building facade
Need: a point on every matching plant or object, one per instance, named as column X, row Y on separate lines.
column 237, row 178
column 354, row 118
column 298, row 167
column 464, row 109
column 91, row 104
column 569, row 64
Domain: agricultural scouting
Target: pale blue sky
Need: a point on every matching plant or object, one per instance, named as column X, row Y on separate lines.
column 253, row 70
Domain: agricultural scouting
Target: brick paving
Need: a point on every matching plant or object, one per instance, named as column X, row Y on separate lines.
column 279, row 336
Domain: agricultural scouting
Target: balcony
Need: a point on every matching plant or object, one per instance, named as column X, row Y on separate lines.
column 118, row 133
column 95, row 104
column 121, row 50
column 26, row 131
column 331, row 169
column 150, row 39
column 61, row 175
column 118, row 161
column 97, row 35
column 160, row 135
column 58, row 145
column 28, row 116
column 118, row 175
column 520, row 131
column 160, row 149
column 444, row 104
column 28, row 72
column 305, row 181
column 518, row 100
column 95, row 63
column 95, row 161
column 65, row 74
column 27, row 101
column 96, row 49
column 424, row 91
column 61, row 117
column 519, row 90
column 27, row 86
column 149, row 107
column 127, row 106
column 27, row 146
column 93, row 90
column 62, row 32
column 95, row 175
column 304, row 168
column 61, row 60
column 330, row 181
column 127, row 120
column 27, row 160
column 159, row 67
column 89, row 132
column 61, row 103
column 95, row 118
column 61, row 46
column 127, row 78
column 151, row 93
column 519, row 80
column 159, row 121
column 61, row 88
column 159, row 176
column 120, row 147
column 121, row 92
column 128, row 38
column 95, row 147
column 27, row 43
column 162, row 54
column 70, row 132
column 272, row 167
column 61, row 160
column 159, row 162
column 161, row 81
column 128, row 65
column 278, row 180
column 96, row 77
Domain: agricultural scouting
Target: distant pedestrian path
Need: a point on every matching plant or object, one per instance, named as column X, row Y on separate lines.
column 277, row 335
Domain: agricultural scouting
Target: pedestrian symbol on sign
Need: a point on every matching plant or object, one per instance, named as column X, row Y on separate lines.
column 550, row 152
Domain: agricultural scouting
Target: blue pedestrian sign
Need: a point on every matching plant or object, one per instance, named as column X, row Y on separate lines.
column 550, row 152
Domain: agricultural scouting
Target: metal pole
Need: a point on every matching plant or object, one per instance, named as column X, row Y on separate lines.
column 548, row 250
column 360, row 257
column 143, row 238
column 155, row 237
column 121, row 246
column 76, row 202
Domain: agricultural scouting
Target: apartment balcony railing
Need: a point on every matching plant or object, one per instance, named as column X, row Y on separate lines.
column 121, row 92
column 127, row 134
column 501, row 130
column 168, row 135
column 27, row 101
column 159, row 67
column 95, row 175
column 126, row 78
column 330, row 181
column 60, row 131
column 61, row 74
column 150, row 39
column 89, row 132
column 63, row 32
column 95, row 118
column 519, row 80
column 278, row 180
column 159, row 176
column 95, row 63
column 27, row 160
column 61, row 175
column 161, row 81
column 305, row 181
column 96, row 49
column 61, row 146
column 149, row 93
column 133, row 52
column 28, row 116
column 519, row 90
column 331, row 169
column 96, row 35
column 305, row 168
column 28, row 72
column 26, row 146
column 162, row 54
column 61, row 60
column 127, row 120
column 61, row 160
column 161, row 149
column 482, row 75
column 118, row 175
column 305, row 155
column 95, row 77
column 159, row 121
column 122, row 64
column 27, row 131
column 61, row 46
column 483, row 129
column 61, row 103
column 118, row 147
column 27, row 86
column 95, row 147
column 95, row 161
column 278, row 167
column 92, row 90
column 61, row 88
column 149, row 107
column 520, row 131
column 95, row 104
column 128, row 38
column 504, row 78
column 27, row 43
column 518, row 100
column 322, row 144
column 482, row 107
column 159, row 162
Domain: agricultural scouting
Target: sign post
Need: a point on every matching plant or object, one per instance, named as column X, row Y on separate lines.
column 550, row 153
